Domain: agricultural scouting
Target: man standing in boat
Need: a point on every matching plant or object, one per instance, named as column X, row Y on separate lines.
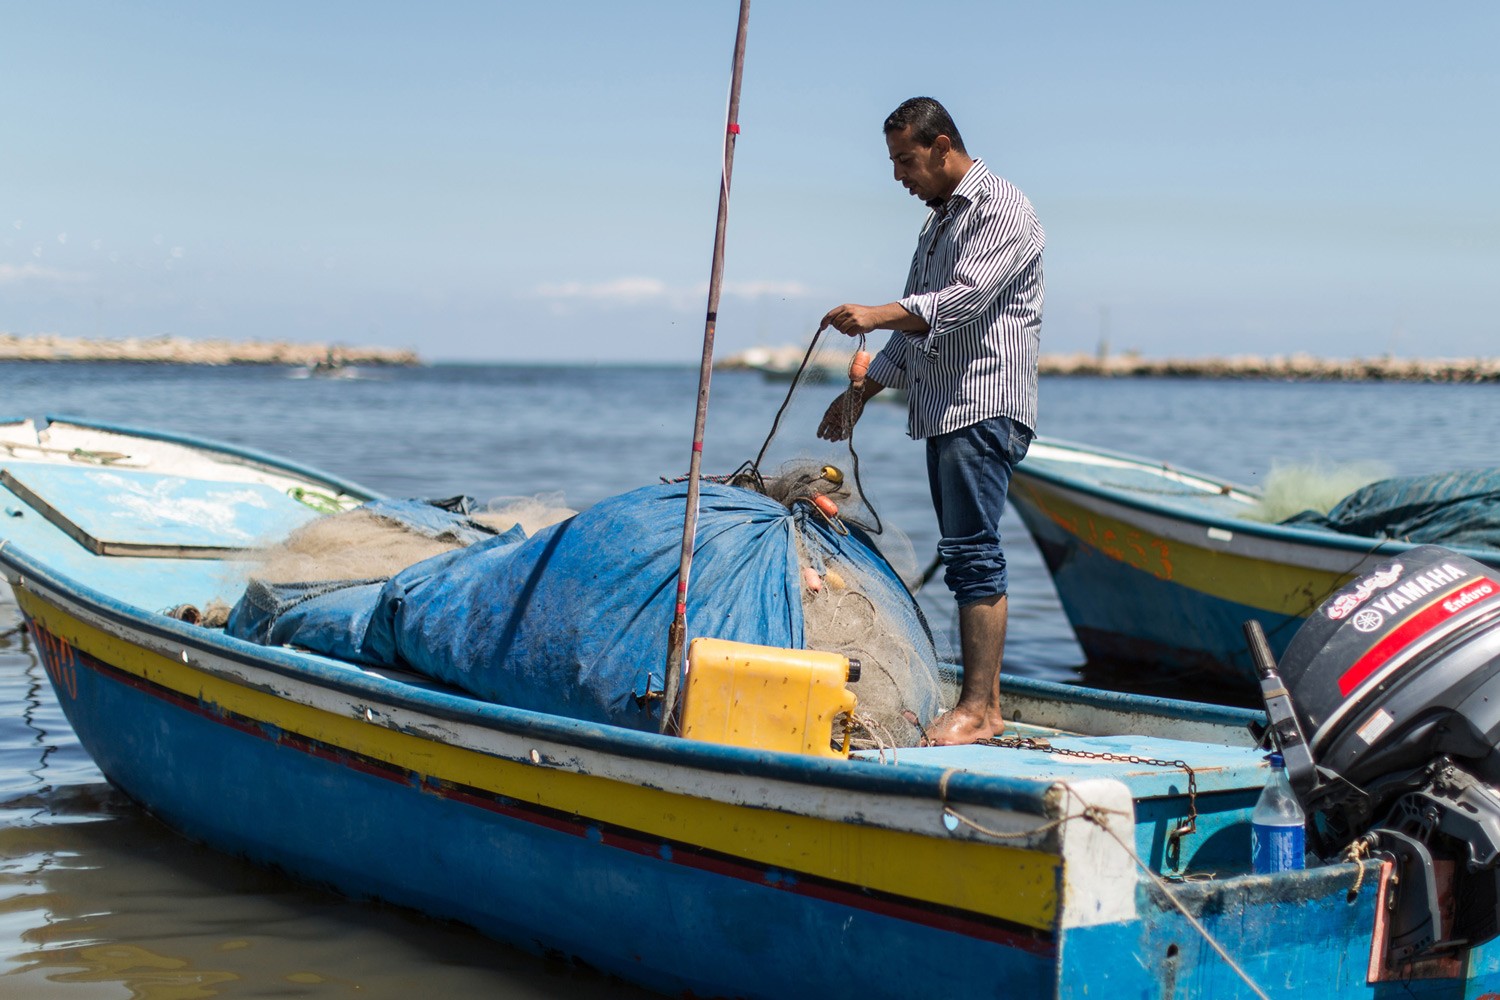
column 964, row 347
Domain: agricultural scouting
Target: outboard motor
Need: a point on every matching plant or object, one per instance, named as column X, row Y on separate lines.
column 1386, row 707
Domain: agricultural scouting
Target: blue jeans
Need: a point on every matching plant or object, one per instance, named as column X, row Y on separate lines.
column 968, row 471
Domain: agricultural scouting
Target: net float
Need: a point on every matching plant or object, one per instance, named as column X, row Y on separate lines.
column 859, row 367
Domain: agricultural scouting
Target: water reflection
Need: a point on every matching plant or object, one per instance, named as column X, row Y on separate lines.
column 99, row 899
column 117, row 899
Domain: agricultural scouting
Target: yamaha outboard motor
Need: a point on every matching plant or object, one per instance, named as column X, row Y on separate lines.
column 1386, row 707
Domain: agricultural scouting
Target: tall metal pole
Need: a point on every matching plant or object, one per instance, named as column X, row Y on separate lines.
column 677, row 633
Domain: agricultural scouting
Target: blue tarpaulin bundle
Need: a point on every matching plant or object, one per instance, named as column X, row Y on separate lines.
column 573, row 620
column 1451, row 508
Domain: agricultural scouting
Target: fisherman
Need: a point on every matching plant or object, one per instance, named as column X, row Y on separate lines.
column 964, row 347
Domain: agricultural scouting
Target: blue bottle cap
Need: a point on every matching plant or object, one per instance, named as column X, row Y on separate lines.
column 1277, row 760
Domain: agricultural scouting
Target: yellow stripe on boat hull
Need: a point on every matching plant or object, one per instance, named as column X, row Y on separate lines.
column 1278, row 586
column 1007, row 883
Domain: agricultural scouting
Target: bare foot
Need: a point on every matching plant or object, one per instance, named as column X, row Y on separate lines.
column 960, row 726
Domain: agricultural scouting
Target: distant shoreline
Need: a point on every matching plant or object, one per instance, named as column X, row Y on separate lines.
column 778, row 363
column 180, row 350
column 1291, row 368
column 781, row 362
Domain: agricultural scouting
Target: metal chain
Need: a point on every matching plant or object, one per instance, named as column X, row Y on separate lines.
column 1041, row 744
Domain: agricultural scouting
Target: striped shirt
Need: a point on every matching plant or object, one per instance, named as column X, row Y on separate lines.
column 976, row 278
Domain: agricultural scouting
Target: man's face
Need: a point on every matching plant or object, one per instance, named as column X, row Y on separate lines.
column 919, row 169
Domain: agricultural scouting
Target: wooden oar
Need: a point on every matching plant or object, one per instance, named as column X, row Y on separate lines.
column 676, row 635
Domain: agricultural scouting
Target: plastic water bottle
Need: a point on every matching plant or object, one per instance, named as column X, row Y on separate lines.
column 1278, row 835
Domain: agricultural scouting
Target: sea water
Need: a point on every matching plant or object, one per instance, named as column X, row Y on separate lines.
column 99, row 900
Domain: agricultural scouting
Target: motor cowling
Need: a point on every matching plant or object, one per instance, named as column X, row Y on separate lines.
column 1386, row 706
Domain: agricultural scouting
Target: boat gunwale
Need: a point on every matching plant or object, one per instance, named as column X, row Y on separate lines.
column 909, row 780
column 247, row 455
column 912, row 779
column 1365, row 545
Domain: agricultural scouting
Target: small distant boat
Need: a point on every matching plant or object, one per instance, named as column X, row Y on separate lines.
column 783, row 364
column 1158, row 567
column 812, row 375
column 332, row 367
column 829, row 374
column 1107, row 825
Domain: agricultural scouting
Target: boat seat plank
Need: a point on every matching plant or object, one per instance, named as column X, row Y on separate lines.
column 115, row 512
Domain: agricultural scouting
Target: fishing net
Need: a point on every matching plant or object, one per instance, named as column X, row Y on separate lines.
column 572, row 619
column 846, row 611
column 367, row 543
column 818, row 377
column 864, row 615
column 1291, row 489
column 1459, row 508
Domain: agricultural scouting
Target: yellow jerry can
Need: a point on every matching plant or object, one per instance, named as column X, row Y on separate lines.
column 766, row 698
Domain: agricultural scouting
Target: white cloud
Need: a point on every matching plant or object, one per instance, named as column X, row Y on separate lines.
column 642, row 291
column 10, row 274
column 755, row 289
column 627, row 290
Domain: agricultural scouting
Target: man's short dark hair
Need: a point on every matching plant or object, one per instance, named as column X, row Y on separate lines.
column 927, row 120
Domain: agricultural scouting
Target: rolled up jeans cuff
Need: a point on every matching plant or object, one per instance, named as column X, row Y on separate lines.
column 974, row 567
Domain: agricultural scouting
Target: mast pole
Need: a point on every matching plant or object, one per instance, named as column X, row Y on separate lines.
column 677, row 633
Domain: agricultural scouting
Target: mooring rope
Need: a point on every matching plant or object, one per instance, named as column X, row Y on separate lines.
column 1098, row 815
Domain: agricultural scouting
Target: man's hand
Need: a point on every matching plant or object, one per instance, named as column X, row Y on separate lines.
column 852, row 319
column 843, row 412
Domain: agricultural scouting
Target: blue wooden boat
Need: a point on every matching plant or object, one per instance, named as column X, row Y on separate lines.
column 1158, row 567
column 1102, row 852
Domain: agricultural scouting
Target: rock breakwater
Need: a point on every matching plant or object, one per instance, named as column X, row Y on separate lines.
column 182, row 351
column 1294, row 367
column 782, row 361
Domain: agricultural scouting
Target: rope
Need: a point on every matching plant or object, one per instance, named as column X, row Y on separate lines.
column 929, row 572
column 753, row 468
column 1166, row 890
column 879, row 735
column 321, row 502
column 1313, row 602
column 1098, row 816
column 76, row 454
column 1357, row 852
column 1094, row 814
column 854, row 455
column 796, row 379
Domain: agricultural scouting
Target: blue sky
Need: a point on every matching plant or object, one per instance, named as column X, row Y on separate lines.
column 528, row 182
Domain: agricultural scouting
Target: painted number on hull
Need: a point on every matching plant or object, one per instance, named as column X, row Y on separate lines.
column 58, row 659
column 1146, row 553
